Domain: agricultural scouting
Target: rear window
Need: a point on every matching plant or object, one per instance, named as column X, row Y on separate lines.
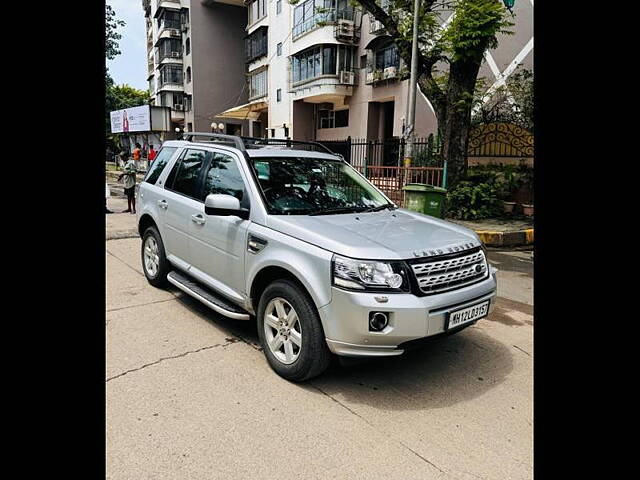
column 157, row 166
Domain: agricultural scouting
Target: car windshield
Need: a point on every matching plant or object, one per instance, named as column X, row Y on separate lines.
column 314, row 186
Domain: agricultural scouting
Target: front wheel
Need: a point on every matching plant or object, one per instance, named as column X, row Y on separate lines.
column 154, row 261
column 291, row 333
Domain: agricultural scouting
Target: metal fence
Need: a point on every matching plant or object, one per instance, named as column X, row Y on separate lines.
column 386, row 153
column 381, row 162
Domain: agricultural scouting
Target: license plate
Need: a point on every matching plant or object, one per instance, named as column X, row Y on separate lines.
column 467, row 315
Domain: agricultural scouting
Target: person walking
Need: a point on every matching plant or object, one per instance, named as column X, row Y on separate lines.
column 129, row 175
column 152, row 154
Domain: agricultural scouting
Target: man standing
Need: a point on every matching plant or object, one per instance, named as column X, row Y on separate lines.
column 129, row 175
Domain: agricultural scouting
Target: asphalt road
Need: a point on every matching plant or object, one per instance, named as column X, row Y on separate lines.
column 190, row 395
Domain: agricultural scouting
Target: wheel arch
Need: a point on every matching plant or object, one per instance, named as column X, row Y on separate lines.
column 269, row 274
column 146, row 221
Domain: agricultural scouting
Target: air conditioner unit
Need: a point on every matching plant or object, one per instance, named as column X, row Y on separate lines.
column 176, row 54
column 370, row 77
column 390, row 72
column 178, row 106
column 347, row 77
column 375, row 26
column 346, row 28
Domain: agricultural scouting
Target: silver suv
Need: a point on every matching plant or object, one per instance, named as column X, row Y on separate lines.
column 290, row 233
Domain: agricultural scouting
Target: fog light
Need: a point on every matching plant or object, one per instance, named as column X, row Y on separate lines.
column 378, row 321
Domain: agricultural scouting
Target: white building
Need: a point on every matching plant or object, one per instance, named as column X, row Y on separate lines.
column 322, row 70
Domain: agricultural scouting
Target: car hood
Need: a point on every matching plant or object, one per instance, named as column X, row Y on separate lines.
column 384, row 235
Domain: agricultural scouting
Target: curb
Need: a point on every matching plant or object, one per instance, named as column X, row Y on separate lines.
column 506, row 239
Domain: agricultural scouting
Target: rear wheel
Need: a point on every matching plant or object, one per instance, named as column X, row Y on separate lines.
column 291, row 333
column 154, row 262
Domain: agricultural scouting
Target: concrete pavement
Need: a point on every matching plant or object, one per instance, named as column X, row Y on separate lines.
column 190, row 395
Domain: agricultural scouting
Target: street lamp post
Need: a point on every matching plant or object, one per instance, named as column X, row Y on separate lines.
column 411, row 104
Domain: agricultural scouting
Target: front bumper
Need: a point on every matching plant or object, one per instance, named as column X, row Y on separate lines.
column 346, row 318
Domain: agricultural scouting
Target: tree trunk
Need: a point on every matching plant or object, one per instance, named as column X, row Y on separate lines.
column 457, row 121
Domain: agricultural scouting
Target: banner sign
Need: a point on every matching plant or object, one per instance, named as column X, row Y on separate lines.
column 134, row 119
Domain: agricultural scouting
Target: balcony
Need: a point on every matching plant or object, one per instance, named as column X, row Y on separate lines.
column 325, row 88
column 326, row 16
column 382, row 75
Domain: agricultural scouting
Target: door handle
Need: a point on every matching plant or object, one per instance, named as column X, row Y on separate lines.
column 163, row 204
column 199, row 219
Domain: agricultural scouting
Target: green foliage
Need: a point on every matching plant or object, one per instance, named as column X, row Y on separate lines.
column 481, row 193
column 475, row 26
column 112, row 48
column 512, row 103
column 469, row 201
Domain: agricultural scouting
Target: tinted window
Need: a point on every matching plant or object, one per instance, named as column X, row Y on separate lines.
column 224, row 177
column 162, row 158
column 187, row 173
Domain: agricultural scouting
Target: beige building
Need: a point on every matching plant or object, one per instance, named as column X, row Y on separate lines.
column 323, row 70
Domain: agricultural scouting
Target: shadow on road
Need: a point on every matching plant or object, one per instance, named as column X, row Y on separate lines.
column 445, row 371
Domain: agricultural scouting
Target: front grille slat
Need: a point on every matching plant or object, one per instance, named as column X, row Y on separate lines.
column 453, row 272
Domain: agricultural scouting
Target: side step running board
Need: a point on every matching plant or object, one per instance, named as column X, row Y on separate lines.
column 206, row 296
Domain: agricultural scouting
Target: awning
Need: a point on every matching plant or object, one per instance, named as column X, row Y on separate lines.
column 251, row 110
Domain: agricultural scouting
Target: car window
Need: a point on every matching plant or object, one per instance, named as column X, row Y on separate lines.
column 157, row 166
column 224, row 177
column 187, row 173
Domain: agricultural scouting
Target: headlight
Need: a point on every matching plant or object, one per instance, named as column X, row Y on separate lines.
column 369, row 274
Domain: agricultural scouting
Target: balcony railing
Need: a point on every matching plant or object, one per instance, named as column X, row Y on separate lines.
column 320, row 19
column 391, row 72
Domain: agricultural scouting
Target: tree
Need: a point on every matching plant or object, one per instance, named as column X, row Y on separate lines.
column 111, row 45
column 460, row 46
column 512, row 103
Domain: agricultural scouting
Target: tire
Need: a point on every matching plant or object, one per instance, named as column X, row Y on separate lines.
column 313, row 356
column 155, row 276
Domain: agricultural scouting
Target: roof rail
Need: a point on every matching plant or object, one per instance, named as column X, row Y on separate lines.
column 285, row 142
column 219, row 137
column 241, row 143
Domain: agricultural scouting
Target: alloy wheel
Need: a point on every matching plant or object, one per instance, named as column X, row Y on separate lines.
column 282, row 330
column 151, row 257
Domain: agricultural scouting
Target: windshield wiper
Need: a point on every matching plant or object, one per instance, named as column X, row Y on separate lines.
column 390, row 206
column 330, row 211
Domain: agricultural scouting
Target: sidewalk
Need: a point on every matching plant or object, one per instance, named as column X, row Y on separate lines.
column 501, row 232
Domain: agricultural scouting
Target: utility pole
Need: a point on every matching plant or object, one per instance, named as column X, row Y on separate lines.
column 411, row 101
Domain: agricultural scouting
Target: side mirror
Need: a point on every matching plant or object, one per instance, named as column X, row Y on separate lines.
column 224, row 205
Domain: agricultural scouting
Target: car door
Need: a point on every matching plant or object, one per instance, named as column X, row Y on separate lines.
column 151, row 190
column 181, row 203
column 219, row 243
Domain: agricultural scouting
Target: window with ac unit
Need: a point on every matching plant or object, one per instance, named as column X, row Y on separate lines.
column 311, row 13
column 321, row 60
column 169, row 48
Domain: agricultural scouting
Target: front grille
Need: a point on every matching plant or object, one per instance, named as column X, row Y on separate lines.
column 451, row 272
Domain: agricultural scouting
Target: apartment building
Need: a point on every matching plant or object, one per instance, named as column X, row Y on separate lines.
column 194, row 55
column 323, row 70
